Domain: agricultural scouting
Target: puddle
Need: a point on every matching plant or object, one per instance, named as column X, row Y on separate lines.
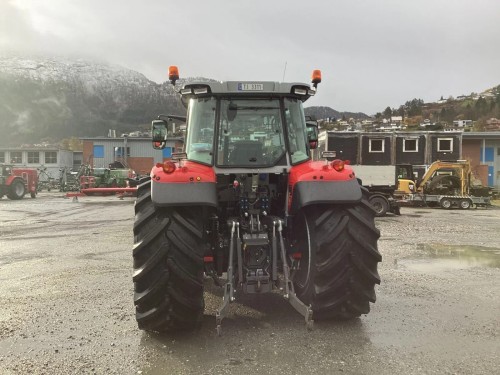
column 442, row 257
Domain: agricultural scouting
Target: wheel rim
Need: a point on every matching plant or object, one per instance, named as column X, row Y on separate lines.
column 378, row 206
column 446, row 203
column 302, row 243
column 465, row 204
column 18, row 189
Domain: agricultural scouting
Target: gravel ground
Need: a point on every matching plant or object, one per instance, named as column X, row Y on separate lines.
column 66, row 292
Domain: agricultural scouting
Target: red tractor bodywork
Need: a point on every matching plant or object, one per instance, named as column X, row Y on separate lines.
column 188, row 172
column 16, row 182
column 30, row 177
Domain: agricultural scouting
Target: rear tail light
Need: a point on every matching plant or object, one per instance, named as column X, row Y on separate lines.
column 168, row 167
column 338, row 165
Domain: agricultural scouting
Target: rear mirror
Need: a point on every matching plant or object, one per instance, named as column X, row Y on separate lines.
column 312, row 134
column 159, row 131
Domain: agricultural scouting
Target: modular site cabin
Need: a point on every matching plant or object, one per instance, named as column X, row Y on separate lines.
column 381, row 160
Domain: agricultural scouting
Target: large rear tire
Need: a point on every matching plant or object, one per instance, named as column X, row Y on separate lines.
column 338, row 266
column 168, row 265
column 17, row 190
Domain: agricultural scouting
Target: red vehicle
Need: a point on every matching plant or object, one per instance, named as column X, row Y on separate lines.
column 16, row 182
column 244, row 199
column 30, row 177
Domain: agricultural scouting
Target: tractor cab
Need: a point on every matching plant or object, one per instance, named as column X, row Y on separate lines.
column 244, row 125
column 5, row 170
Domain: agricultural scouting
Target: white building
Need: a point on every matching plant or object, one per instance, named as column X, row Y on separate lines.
column 462, row 123
column 36, row 157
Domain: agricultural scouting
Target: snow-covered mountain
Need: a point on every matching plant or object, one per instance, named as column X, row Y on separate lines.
column 72, row 71
column 54, row 98
column 58, row 98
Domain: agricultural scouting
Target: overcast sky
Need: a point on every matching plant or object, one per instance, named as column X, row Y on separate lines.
column 372, row 53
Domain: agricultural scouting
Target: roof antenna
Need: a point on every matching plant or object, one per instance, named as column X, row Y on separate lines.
column 284, row 71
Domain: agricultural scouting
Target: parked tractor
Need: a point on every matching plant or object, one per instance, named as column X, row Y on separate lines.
column 104, row 177
column 245, row 205
column 30, row 177
column 16, row 182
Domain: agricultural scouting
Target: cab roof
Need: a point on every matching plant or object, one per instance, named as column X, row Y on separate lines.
column 302, row 91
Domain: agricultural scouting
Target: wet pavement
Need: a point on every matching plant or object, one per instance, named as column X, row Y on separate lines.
column 66, row 292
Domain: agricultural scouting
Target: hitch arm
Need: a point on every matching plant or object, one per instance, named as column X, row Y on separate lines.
column 297, row 304
column 229, row 287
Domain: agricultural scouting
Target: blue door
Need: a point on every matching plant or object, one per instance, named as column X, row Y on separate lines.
column 490, row 176
column 167, row 152
column 488, row 155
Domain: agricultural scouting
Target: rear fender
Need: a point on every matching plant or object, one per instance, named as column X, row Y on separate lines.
column 10, row 180
column 318, row 183
column 189, row 185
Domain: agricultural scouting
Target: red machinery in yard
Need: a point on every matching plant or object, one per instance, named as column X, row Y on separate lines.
column 16, row 182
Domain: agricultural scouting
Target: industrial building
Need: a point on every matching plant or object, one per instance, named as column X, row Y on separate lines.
column 420, row 149
column 135, row 152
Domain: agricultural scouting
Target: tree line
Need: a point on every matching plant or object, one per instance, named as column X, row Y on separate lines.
column 467, row 108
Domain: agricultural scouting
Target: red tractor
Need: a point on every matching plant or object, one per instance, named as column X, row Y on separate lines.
column 245, row 200
column 30, row 177
column 16, row 182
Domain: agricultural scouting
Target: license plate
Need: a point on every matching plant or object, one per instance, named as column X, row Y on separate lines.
column 250, row 87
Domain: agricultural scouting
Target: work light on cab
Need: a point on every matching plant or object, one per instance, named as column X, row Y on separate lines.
column 303, row 90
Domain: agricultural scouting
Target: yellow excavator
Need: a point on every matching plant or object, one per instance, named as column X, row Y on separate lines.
column 446, row 184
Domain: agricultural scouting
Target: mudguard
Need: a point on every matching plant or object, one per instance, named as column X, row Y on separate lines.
column 12, row 178
column 318, row 183
column 184, row 194
column 191, row 184
column 306, row 193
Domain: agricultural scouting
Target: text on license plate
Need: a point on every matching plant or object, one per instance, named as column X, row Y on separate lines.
column 250, row 87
